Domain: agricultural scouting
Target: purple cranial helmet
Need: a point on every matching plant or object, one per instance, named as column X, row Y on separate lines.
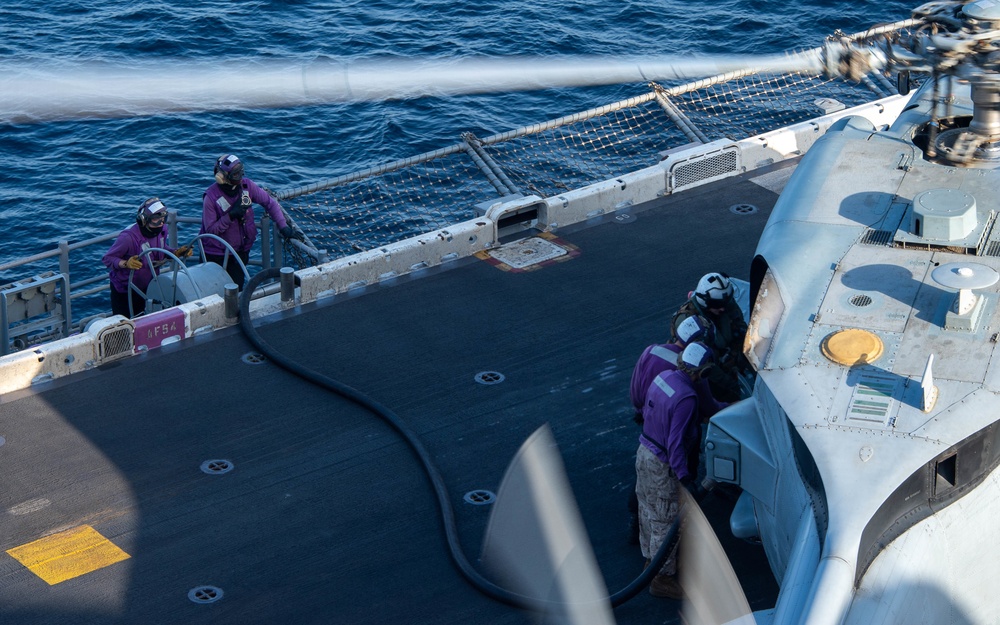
column 151, row 214
column 228, row 169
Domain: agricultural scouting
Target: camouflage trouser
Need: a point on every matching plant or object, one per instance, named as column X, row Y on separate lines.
column 659, row 496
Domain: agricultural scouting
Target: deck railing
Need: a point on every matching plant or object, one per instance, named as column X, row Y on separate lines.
column 385, row 204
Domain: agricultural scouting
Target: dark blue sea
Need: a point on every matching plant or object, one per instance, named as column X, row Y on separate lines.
column 72, row 180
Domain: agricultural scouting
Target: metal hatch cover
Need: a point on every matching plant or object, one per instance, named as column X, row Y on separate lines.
column 852, row 347
column 530, row 253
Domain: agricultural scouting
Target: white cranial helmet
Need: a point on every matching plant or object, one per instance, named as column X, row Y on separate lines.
column 696, row 357
column 714, row 290
column 691, row 329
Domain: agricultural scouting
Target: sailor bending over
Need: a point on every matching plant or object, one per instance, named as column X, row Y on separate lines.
column 667, row 458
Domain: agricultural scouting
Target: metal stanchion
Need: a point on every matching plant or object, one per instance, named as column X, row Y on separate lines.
column 232, row 298
column 287, row 284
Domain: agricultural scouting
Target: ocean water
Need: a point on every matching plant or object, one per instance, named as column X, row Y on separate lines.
column 72, row 180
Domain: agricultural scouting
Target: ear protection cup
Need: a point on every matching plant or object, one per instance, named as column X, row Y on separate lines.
column 219, row 176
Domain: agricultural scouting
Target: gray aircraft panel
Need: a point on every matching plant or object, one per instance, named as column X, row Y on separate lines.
column 874, row 288
column 958, row 355
column 848, row 154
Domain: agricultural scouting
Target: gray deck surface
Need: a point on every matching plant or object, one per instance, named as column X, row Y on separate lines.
column 326, row 516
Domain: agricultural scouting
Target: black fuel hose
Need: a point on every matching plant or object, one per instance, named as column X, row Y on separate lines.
column 476, row 579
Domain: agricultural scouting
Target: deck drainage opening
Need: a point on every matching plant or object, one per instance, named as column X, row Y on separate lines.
column 479, row 497
column 489, row 377
column 216, row 467
column 253, row 358
column 205, row 594
column 743, row 209
column 861, row 301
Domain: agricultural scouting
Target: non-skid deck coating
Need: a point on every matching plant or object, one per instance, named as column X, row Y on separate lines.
column 325, row 515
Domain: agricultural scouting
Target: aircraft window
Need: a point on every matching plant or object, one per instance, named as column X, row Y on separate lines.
column 764, row 318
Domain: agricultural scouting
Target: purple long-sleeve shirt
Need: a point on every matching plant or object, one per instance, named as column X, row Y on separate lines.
column 670, row 417
column 240, row 233
column 131, row 242
column 656, row 359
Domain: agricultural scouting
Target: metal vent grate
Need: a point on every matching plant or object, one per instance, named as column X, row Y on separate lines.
column 877, row 237
column 989, row 243
column 115, row 342
column 693, row 172
column 992, row 248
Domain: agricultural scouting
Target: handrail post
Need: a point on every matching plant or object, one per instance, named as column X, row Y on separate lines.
column 277, row 247
column 172, row 228
column 265, row 242
column 64, row 270
column 67, row 308
column 4, row 328
column 64, row 258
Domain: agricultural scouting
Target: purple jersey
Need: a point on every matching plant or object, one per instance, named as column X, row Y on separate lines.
column 131, row 242
column 654, row 360
column 240, row 233
column 671, row 428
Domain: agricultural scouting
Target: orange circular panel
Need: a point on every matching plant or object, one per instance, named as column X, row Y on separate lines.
column 852, row 347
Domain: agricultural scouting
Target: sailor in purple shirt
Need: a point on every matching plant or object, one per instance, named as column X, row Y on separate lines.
column 654, row 360
column 123, row 257
column 661, row 357
column 227, row 212
column 667, row 457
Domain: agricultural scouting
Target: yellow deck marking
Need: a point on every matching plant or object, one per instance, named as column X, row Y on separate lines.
column 68, row 554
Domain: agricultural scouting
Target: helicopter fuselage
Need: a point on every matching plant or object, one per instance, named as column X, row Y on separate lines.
column 868, row 451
